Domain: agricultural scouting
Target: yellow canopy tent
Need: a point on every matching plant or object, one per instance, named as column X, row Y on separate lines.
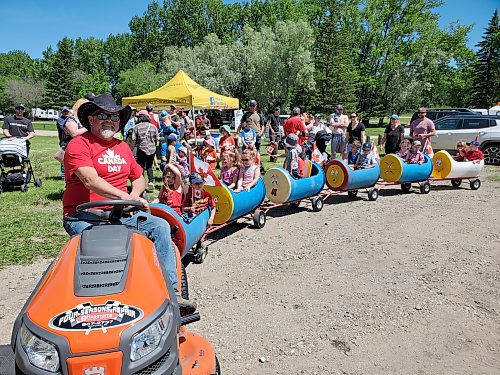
column 184, row 92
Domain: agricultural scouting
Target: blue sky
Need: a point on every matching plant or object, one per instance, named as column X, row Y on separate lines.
column 33, row 25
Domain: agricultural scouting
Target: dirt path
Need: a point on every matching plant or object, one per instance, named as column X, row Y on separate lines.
column 405, row 285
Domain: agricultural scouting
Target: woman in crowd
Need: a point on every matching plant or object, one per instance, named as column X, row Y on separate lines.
column 393, row 136
column 145, row 135
column 355, row 131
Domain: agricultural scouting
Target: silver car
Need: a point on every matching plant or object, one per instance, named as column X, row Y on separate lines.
column 451, row 129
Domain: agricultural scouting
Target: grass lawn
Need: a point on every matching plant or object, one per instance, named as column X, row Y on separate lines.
column 41, row 125
column 45, row 125
column 30, row 223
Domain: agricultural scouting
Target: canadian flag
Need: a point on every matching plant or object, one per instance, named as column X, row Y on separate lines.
column 428, row 148
column 374, row 152
column 198, row 165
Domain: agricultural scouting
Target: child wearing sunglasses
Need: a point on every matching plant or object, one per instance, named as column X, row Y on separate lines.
column 461, row 151
column 250, row 173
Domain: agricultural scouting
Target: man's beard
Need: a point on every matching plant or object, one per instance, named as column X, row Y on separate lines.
column 107, row 133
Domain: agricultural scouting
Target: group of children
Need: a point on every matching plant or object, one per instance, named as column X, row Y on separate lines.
column 187, row 200
column 469, row 152
column 183, row 191
column 361, row 157
column 410, row 152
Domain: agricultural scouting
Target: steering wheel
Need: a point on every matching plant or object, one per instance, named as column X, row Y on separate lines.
column 118, row 207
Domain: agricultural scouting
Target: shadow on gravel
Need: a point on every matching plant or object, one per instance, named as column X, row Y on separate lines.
column 247, row 221
column 464, row 186
column 6, row 360
column 288, row 209
column 228, row 231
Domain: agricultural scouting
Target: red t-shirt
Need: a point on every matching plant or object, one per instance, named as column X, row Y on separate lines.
column 474, row 155
column 112, row 160
column 198, row 203
column 294, row 125
column 226, row 144
column 210, row 157
column 154, row 120
column 171, row 198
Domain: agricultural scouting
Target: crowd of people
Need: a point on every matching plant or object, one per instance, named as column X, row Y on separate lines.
column 104, row 147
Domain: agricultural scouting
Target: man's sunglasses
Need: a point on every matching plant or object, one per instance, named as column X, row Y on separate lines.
column 422, row 113
column 105, row 116
column 245, row 159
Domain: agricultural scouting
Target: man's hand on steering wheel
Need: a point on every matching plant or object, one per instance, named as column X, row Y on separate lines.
column 144, row 202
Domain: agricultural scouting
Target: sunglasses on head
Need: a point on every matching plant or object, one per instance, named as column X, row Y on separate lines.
column 105, row 116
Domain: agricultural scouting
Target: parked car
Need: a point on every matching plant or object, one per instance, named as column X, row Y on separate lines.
column 465, row 127
column 437, row 113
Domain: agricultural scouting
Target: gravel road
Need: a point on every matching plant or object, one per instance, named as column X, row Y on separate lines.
column 408, row 284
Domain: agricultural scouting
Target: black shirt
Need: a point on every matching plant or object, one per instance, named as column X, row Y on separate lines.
column 18, row 127
column 275, row 122
column 355, row 135
column 393, row 140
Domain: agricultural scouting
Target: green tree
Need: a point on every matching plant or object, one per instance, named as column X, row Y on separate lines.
column 398, row 46
column 212, row 64
column 148, row 34
column 138, row 80
column 15, row 66
column 119, row 56
column 25, row 91
column 278, row 66
column 60, row 79
column 486, row 73
column 335, row 57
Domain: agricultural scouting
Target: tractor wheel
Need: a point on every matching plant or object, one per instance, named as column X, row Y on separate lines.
column 184, row 283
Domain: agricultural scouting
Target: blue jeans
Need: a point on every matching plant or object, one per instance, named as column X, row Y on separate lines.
column 155, row 228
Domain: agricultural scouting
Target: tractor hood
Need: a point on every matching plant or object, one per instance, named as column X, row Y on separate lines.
column 104, row 281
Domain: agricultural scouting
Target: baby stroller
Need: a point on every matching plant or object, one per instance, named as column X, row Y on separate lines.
column 13, row 160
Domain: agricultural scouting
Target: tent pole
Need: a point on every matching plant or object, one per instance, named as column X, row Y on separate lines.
column 194, row 121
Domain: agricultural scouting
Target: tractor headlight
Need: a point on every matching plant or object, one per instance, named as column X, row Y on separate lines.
column 146, row 341
column 41, row 353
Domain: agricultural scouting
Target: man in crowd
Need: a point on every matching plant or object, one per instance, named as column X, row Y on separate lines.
column 153, row 116
column 422, row 127
column 98, row 167
column 17, row 125
column 295, row 125
column 338, row 125
column 257, row 123
column 274, row 123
